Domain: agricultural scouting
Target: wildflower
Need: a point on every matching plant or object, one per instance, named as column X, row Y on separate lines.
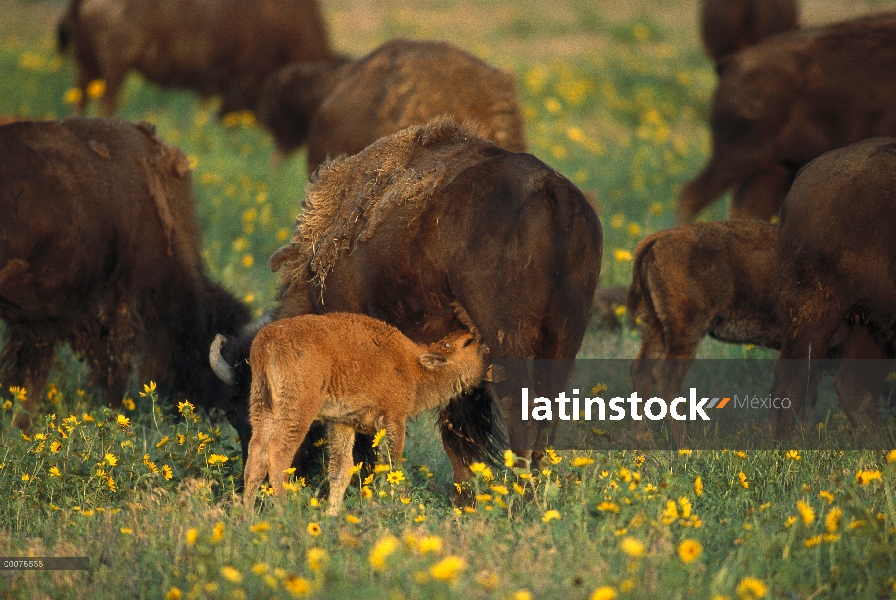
column 217, row 459
column 149, row 464
column 832, row 519
column 217, row 532
column 316, row 557
column 743, row 479
column 123, row 422
column 54, row 472
column 581, row 461
column 231, row 574
column 378, row 468
column 750, row 588
column 740, row 454
column 126, row 530
column 826, row 495
column 632, row 547
column 96, row 89
column 395, row 477
column 191, row 536
column 604, row 592
column 448, row 568
column 522, row 595
column 314, row 529
column 128, row 403
column 813, row 541
column 366, row 492
column 550, row 516
column 478, row 467
column 185, row 408
column 866, row 477
column 600, row 387
column 789, row 521
column 431, row 543
column 670, row 513
column 72, row 96
column 149, row 389
column 698, row 486
column 381, row 552
column 634, row 229
column 260, row 527
column 607, row 506
column 553, row 456
column 689, row 551
column 891, row 457
column 110, row 483
column 622, row 255
column 174, row 594
column 297, row 586
column 806, row 512
column 793, row 455
column 500, row 490
column 26, row 477
column 352, row 519
column 111, row 459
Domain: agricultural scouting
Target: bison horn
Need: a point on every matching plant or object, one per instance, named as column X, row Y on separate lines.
column 219, row 365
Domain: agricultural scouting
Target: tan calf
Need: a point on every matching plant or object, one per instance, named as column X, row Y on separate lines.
column 354, row 373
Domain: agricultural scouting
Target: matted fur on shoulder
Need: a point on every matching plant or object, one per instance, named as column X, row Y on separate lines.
column 349, row 196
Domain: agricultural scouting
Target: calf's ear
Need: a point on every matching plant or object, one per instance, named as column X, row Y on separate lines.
column 432, row 360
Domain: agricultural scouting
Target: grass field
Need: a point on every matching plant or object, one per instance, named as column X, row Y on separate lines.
column 616, row 97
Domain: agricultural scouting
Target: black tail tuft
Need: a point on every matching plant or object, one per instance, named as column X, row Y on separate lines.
column 469, row 428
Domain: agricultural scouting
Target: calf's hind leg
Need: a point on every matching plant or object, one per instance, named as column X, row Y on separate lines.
column 341, row 439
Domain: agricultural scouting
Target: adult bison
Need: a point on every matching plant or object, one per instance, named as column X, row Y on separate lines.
column 727, row 26
column 340, row 107
column 99, row 248
column 224, row 47
column 788, row 100
column 837, row 255
column 430, row 218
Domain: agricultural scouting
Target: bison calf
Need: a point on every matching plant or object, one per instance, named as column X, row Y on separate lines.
column 354, row 373
column 342, row 108
column 789, row 99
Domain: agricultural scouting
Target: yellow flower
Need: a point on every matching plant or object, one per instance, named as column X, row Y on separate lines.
column 634, row 229
column 622, row 255
column 553, row 456
column 314, row 529
column 689, row 551
column 185, row 408
column 581, row 461
column 832, row 519
column 790, row 521
column 698, row 486
column 126, row 530
column 217, row 532
column 123, row 421
column 607, row 506
column 316, row 558
column 217, row 459
column 431, row 543
column 482, row 469
column 191, row 536
column 54, row 472
column 793, row 455
column 96, row 88
column 600, row 387
column 148, row 389
column 248, row 260
column 111, row 459
column 174, row 594
column 72, row 96
column 448, row 568
column 813, row 541
column 231, row 574
column 740, row 454
column 891, row 457
column 128, row 404
column 26, row 477
column 260, row 527
column 632, row 547
column 297, row 586
column 366, row 492
column 866, row 477
column 750, row 588
column 743, row 479
column 381, row 552
column 826, row 495
column 604, row 592
column 806, row 512
column 395, row 477
column 522, row 595
column 166, row 472
column 509, row 459
column 550, row 516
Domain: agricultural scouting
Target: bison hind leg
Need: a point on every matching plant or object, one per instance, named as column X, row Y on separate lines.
column 341, row 438
column 25, row 361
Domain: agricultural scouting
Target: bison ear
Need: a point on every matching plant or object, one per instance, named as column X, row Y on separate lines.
column 432, row 360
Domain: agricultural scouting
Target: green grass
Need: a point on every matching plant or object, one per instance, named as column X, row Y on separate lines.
column 616, row 98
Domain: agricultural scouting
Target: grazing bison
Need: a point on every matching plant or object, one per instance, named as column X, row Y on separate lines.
column 837, row 253
column 353, row 373
column 340, row 108
column 224, row 47
column 788, row 100
column 435, row 215
column 727, row 26
column 99, row 248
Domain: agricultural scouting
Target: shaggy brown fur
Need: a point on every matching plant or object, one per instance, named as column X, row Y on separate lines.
column 99, row 248
column 224, row 47
column 718, row 279
column 729, row 26
column 837, row 253
column 354, row 373
column 344, row 108
column 435, row 215
column 789, row 99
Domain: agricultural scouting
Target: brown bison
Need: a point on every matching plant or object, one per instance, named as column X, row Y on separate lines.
column 837, row 252
column 341, row 108
column 225, row 47
column 727, row 26
column 99, row 248
column 353, row 373
column 435, row 215
column 790, row 99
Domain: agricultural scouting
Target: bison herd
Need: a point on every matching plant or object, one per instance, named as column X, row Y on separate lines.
column 430, row 243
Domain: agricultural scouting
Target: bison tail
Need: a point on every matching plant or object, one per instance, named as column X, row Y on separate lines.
column 639, row 291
